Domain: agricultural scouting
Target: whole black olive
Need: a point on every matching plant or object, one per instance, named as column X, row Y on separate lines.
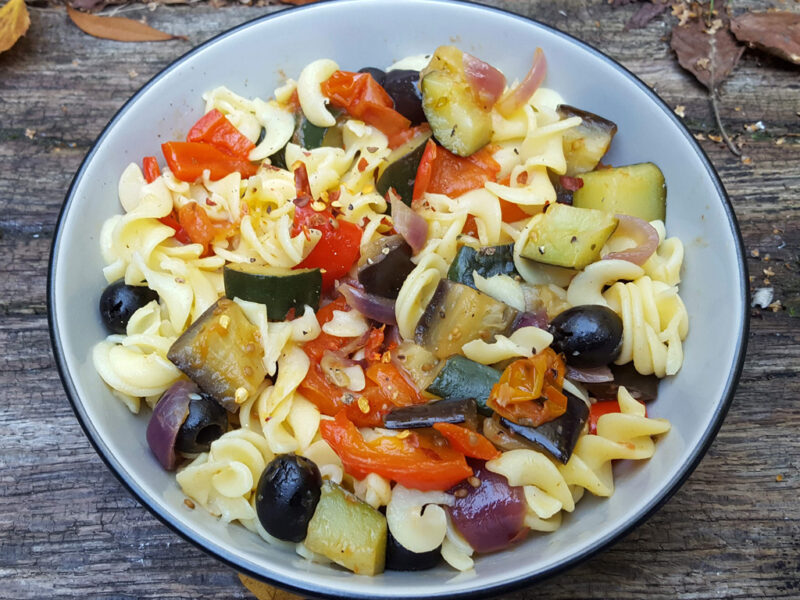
column 399, row 558
column 377, row 74
column 588, row 336
column 403, row 86
column 287, row 495
column 119, row 301
column 207, row 420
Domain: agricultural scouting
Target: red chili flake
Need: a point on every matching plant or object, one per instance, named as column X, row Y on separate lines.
column 362, row 164
column 306, row 233
column 210, row 202
column 572, row 184
column 522, row 178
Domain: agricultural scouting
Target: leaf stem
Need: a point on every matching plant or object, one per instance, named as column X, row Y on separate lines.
column 715, row 109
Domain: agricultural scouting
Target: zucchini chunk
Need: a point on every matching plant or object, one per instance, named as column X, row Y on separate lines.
column 587, row 143
column 401, row 167
column 278, row 288
column 348, row 531
column 637, row 190
column 458, row 314
column 221, row 352
column 384, row 266
column 488, row 262
column 461, row 377
column 567, row 236
column 310, row 136
column 458, row 120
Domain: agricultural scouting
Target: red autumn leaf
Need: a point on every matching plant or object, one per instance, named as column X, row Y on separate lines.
column 710, row 57
column 775, row 32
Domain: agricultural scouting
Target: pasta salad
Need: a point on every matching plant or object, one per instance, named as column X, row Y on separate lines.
column 393, row 318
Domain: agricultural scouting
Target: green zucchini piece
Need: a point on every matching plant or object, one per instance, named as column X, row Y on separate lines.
column 488, row 262
column 458, row 120
column 457, row 314
column 568, row 236
column 310, row 136
column 587, row 143
column 222, row 353
column 278, row 288
column 637, row 190
column 348, row 531
column 461, row 377
column 401, row 170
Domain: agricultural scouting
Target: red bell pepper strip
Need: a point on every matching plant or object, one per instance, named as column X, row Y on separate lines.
column 188, row 160
column 171, row 220
column 598, row 409
column 469, row 443
column 442, row 172
column 363, row 98
column 414, row 461
column 213, row 128
column 150, row 169
column 199, row 227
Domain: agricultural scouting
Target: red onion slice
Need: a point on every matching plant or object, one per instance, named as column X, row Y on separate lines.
column 643, row 234
column 530, row 319
column 371, row 306
column 486, row 81
column 590, row 374
column 408, row 223
column 515, row 98
column 166, row 420
column 491, row 516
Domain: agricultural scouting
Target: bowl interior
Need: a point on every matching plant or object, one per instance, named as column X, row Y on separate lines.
column 376, row 34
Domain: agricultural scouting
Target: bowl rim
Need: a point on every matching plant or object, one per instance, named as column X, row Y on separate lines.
column 613, row 537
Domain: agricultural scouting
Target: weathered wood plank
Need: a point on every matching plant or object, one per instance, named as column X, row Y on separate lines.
column 68, row 529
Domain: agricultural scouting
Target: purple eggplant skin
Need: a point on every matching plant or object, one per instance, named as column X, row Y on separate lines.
column 425, row 415
column 643, row 388
column 384, row 273
column 559, row 436
column 488, row 512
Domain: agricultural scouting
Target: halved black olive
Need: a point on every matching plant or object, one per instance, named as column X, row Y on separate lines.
column 119, row 301
column 207, row 421
column 403, row 86
column 587, row 336
column 399, row 558
column 377, row 74
column 287, row 495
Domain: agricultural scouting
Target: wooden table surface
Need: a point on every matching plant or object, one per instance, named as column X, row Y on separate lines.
column 67, row 527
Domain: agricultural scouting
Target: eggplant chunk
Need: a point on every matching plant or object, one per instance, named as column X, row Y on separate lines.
column 458, row 120
column 400, row 172
column 384, row 266
column 425, row 415
column 587, row 143
column 458, row 314
column 643, row 388
column 222, row 353
column 559, row 436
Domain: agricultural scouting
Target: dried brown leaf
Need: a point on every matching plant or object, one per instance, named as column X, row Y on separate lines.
column 775, row 32
column 14, row 22
column 643, row 16
column 694, row 45
column 89, row 4
column 262, row 591
column 119, row 29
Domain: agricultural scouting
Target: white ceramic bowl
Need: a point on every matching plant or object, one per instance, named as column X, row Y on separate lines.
column 250, row 60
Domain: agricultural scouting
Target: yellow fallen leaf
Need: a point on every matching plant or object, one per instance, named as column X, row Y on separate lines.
column 14, row 22
column 262, row 591
column 119, row 29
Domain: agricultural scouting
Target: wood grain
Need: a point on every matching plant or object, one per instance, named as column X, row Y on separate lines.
column 69, row 530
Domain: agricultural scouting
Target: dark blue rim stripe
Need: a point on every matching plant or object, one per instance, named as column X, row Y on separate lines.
column 620, row 532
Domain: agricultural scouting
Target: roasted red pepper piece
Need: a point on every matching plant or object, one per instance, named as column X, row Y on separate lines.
column 150, row 169
column 213, row 128
column 415, row 461
column 188, row 160
column 171, row 220
column 598, row 409
column 468, row 442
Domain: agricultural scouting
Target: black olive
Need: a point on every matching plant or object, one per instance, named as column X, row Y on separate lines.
column 399, row 558
column 119, row 301
column 287, row 495
column 377, row 74
column 207, row 420
column 587, row 336
column 403, row 86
